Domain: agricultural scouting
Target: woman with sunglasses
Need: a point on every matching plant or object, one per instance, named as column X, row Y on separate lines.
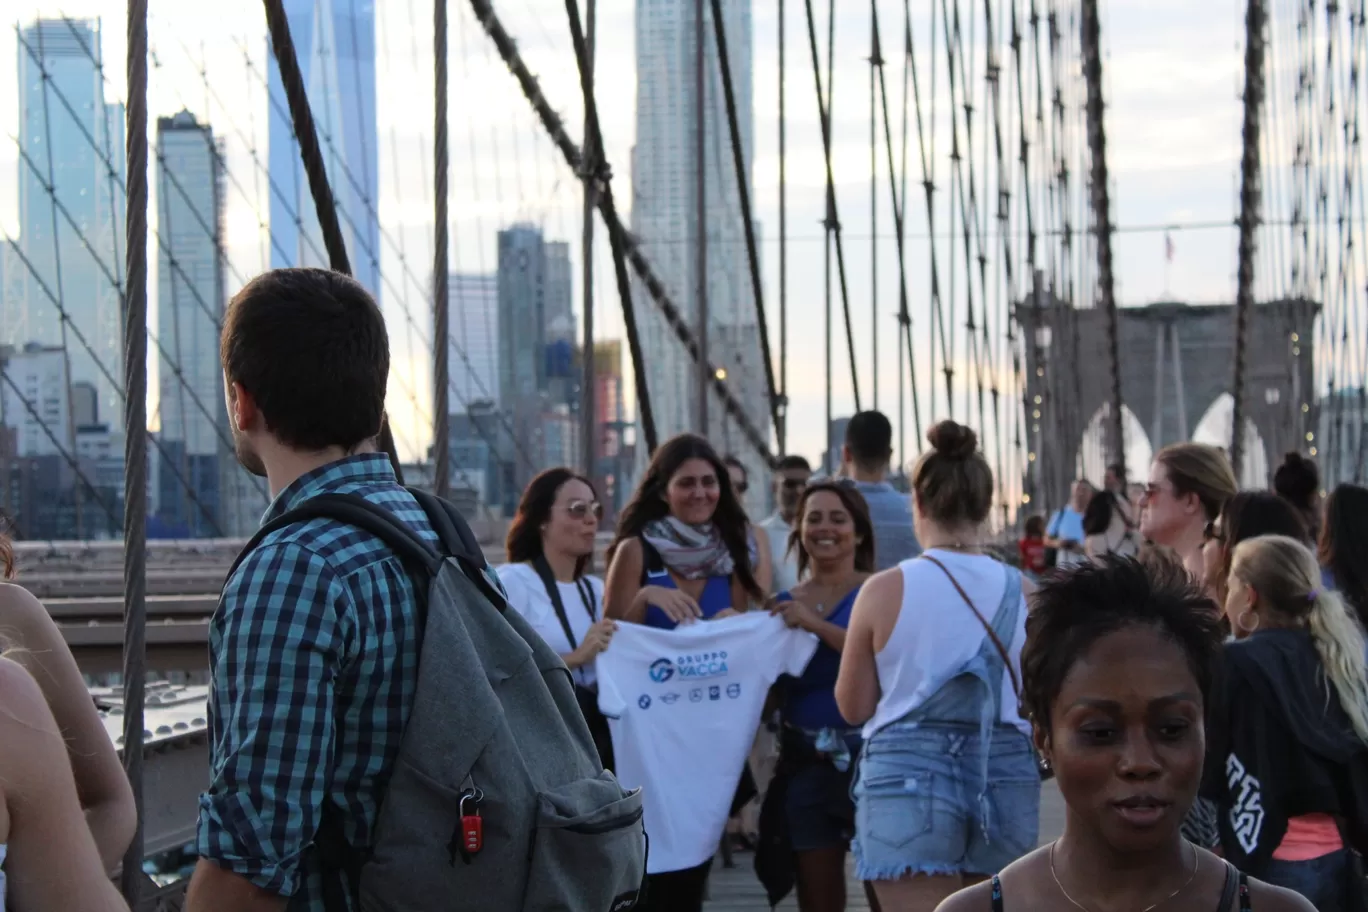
column 549, row 546
column 1188, row 485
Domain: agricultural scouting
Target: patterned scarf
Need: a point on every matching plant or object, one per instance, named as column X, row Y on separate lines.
column 691, row 552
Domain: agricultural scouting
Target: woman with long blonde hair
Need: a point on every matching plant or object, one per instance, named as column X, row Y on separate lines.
column 1289, row 742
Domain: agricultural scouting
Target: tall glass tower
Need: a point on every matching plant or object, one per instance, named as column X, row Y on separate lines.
column 71, row 209
column 665, row 214
column 335, row 43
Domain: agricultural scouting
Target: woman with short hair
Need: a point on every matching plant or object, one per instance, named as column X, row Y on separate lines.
column 1120, row 662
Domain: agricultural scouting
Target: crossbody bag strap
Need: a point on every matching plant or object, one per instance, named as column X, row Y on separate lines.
column 553, row 593
column 988, row 628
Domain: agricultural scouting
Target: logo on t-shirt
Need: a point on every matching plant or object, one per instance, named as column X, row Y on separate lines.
column 644, row 702
column 733, row 690
column 662, row 670
column 670, row 698
column 698, row 665
column 696, row 695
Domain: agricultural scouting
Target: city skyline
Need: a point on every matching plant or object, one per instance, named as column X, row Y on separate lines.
column 1173, row 158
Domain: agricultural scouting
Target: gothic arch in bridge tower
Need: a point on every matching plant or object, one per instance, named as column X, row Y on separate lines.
column 1176, row 361
column 1092, row 455
column 1215, row 428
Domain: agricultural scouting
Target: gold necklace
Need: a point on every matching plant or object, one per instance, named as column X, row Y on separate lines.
column 1149, row 908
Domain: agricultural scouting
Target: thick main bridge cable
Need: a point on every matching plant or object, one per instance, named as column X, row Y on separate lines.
column 632, row 252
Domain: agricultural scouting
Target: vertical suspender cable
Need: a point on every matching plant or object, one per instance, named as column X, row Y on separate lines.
column 1101, row 205
column 875, row 63
column 833, row 221
column 743, row 194
column 135, row 437
column 1250, row 199
column 700, row 215
column 441, row 283
column 782, row 428
column 588, row 391
column 315, row 168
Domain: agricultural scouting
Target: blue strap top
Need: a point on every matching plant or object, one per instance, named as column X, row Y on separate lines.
column 812, row 698
column 716, row 597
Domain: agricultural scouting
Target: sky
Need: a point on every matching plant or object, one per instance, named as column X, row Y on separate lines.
column 1172, row 68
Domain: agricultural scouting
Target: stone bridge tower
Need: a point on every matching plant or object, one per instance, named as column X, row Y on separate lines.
column 1176, row 360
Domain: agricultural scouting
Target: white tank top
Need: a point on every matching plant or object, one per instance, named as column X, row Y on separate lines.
column 935, row 634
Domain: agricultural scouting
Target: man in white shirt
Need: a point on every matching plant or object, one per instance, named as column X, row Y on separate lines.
column 789, row 480
column 682, row 705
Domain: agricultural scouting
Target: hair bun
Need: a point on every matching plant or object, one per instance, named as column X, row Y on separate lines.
column 953, row 440
column 1294, row 460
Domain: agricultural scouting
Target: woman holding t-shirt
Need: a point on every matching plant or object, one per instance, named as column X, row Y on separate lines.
column 683, row 553
column 808, row 802
column 550, row 544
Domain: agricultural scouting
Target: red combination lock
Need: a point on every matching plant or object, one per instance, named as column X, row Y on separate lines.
column 472, row 827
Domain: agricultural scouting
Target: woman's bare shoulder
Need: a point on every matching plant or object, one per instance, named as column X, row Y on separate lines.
column 978, row 898
column 1017, row 886
column 19, row 607
column 23, row 708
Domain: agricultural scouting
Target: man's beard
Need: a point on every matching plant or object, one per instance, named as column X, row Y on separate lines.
column 249, row 459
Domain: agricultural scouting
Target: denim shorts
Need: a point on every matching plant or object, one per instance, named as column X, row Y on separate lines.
column 922, row 807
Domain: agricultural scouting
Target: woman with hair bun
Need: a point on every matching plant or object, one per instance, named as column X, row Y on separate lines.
column 1297, row 481
column 947, row 790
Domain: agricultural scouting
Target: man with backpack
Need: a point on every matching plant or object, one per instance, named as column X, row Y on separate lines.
column 349, row 769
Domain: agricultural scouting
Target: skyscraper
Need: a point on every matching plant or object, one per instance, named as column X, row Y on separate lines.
column 474, row 332
column 335, row 43
column 665, row 214
column 72, row 235
column 190, row 295
column 536, row 355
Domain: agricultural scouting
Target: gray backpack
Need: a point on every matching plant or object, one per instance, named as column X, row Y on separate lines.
column 497, row 799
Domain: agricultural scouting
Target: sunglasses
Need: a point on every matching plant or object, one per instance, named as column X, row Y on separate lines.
column 582, row 509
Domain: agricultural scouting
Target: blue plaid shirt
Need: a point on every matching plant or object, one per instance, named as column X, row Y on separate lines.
column 314, row 657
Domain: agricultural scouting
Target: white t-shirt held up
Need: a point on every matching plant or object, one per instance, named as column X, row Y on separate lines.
column 683, row 706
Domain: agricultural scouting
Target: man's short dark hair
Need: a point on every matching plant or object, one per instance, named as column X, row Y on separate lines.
column 310, row 347
column 794, row 461
column 869, row 435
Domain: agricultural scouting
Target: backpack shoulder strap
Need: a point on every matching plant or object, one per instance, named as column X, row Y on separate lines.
column 459, row 542
column 353, row 510
column 451, row 527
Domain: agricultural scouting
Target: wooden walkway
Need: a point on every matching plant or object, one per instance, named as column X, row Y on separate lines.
column 737, row 890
